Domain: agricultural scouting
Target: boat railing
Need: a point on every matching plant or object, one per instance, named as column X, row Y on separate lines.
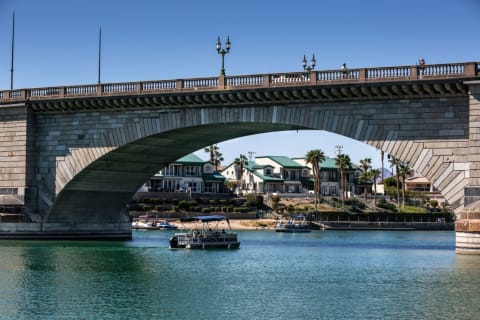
column 210, row 236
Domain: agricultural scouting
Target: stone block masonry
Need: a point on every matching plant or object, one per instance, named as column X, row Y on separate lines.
column 14, row 142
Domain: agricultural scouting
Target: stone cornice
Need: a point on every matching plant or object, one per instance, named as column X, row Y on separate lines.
column 260, row 96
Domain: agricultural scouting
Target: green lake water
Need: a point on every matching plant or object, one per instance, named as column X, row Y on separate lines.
column 317, row 275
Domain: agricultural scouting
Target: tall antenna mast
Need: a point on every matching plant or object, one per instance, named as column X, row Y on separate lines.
column 13, row 46
column 339, row 149
column 99, row 52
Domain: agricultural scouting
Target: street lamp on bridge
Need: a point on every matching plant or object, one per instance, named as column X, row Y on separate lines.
column 223, row 52
column 313, row 62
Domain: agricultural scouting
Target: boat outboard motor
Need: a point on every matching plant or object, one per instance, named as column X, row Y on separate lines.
column 173, row 242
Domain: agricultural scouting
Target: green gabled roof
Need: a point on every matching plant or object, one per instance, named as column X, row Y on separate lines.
column 285, row 162
column 328, row 163
column 215, row 176
column 190, row 159
column 267, row 178
column 251, row 166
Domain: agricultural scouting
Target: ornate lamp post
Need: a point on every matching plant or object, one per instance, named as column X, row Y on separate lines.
column 311, row 66
column 223, row 52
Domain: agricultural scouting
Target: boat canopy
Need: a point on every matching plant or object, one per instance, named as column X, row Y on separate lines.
column 210, row 218
column 204, row 218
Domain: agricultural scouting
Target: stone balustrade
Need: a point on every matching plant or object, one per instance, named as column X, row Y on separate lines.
column 361, row 75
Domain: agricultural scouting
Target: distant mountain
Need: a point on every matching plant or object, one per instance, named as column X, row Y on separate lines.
column 386, row 173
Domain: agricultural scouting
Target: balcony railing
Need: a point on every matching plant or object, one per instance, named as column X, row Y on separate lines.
column 322, row 77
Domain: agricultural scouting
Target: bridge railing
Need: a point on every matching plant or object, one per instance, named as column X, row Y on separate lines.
column 377, row 74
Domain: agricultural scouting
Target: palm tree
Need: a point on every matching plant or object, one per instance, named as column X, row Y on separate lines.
column 375, row 174
column 211, row 149
column 240, row 163
column 343, row 162
column 314, row 157
column 365, row 166
column 365, row 178
column 394, row 162
column 404, row 170
column 382, row 154
column 217, row 159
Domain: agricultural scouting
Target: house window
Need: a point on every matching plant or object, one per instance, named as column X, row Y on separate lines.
column 191, row 171
column 193, row 186
column 172, row 170
column 209, row 187
column 268, row 172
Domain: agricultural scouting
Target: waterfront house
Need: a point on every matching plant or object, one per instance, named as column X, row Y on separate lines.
column 255, row 178
column 292, row 172
column 188, row 174
column 269, row 174
column 330, row 177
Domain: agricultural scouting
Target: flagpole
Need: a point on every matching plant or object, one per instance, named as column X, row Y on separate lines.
column 13, row 46
column 99, row 52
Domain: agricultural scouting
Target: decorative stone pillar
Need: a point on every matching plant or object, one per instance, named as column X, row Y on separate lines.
column 467, row 226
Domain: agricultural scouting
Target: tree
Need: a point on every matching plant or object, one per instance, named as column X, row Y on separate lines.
column 217, row 159
column 365, row 166
column 365, row 178
column 343, row 162
column 394, row 162
column 382, row 155
column 314, row 157
column 404, row 169
column 375, row 174
column 211, row 149
column 240, row 163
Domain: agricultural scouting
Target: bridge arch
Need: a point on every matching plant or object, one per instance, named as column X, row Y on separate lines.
column 110, row 154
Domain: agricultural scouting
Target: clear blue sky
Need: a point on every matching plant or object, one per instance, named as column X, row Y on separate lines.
column 56, row 43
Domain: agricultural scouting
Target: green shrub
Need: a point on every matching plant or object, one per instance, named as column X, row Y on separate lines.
column 382, row 203
column 183, row 204
column 206, row 210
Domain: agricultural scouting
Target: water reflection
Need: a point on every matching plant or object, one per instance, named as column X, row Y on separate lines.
column 56, row 279
column 320, row 275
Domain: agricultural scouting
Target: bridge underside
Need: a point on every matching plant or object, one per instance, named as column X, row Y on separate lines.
column 100, row 192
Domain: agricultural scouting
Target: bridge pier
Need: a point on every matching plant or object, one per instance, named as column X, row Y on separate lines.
column 467, row 226
column 66, row 231
column 467, row 230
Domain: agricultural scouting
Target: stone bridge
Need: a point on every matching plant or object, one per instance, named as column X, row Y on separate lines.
column 74, row 156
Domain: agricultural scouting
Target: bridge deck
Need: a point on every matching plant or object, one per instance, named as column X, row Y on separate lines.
column 325, row 77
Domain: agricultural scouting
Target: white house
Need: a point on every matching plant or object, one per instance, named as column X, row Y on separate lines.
column 189, row 173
